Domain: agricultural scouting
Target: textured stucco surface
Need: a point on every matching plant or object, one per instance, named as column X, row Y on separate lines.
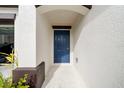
column 25, row 36
column 99, row 47
column 43, row 41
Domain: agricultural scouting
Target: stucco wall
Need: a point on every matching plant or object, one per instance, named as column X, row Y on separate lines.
column 25, row 34
column 32, row 38
column 99, row 47
column 43, row 41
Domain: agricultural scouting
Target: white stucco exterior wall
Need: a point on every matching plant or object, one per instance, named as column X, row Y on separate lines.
column 25, row 36
column 43, row 41
column 99, row 47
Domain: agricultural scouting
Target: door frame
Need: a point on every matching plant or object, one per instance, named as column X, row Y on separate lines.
column 71, row 56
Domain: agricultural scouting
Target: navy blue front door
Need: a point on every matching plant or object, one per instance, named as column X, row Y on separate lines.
column 61, row 46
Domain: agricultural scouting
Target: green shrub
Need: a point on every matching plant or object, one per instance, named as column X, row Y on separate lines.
column 7, row 83
column 22, row 82
column 1, row 81
column 11, row 58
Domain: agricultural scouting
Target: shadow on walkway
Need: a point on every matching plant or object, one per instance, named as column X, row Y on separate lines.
column 50, row 75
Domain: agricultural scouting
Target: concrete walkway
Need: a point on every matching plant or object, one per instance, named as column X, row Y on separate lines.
column 63, row 76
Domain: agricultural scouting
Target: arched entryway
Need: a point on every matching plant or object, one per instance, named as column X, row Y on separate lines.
column 59, row 16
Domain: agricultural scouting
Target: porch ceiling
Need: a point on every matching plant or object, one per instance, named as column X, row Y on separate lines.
column 62, row 17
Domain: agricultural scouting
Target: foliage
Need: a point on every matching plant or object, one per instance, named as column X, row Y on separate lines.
column 11, row 57
column 7, row 83
column 22, row 82
column 1, row 80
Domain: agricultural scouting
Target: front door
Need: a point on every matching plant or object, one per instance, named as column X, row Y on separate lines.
column 61, row 46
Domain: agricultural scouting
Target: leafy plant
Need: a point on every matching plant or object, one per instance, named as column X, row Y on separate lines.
column 1, row 81
column 22, row 82
column 7, row 83
column 11, row 57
